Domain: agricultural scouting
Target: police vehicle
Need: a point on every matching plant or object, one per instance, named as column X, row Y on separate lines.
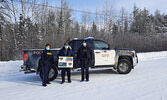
column 123, row 60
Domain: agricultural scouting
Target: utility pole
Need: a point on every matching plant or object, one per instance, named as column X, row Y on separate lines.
column 1, row 43
column 22, row 6
column 63, row 29
column 13, row 11
column 61, row 19
column 15, row 41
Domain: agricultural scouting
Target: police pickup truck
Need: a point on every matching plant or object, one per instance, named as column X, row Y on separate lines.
column 121, row 59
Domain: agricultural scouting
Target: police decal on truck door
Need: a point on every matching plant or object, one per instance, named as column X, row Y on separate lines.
column 103, row 55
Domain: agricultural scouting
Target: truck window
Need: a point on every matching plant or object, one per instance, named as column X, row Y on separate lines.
column 78, row 43
column 99, row 45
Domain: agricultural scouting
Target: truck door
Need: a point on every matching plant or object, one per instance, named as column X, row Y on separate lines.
column 103, row 55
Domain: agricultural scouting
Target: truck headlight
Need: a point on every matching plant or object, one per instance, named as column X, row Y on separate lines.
column 134, row 54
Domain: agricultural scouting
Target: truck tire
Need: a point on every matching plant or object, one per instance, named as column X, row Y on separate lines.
column 124, row 66
column 52, row 74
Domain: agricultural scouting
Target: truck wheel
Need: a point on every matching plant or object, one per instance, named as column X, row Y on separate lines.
column 52, row 73
column 124, row 66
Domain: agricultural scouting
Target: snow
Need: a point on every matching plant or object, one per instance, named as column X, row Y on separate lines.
column 10, row 68
column 148, row 81
column 152, row 55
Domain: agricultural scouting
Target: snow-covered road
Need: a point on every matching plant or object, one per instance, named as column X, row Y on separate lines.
column 148, row 81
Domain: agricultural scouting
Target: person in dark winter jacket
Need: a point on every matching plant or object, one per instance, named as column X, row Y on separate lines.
column 85, row 55
column 47, row 60
column 66, row 51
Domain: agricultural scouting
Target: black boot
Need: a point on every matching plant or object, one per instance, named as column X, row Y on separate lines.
column 82, row 80
column 48, row 83
column 62, row 82
column 87, row 80
column 44, row 85
column 69, row 81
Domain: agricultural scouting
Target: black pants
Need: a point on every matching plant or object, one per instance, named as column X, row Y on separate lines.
column 85, row 68
column 45, row 72
column 63, row 72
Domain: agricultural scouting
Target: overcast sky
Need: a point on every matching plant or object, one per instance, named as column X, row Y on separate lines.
column 91, row 5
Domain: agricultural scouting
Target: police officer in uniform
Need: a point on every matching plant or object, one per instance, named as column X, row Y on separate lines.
column 47, row 60
column 85, row 55
column 66, row 51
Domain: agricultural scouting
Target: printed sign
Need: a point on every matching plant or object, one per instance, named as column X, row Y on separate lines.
column 65, row 62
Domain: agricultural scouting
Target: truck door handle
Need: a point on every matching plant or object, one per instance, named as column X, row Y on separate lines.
column 97, row 52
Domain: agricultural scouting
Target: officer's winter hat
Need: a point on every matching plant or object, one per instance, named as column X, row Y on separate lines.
column 84, row 41
column 65, row 43
column 47, row 44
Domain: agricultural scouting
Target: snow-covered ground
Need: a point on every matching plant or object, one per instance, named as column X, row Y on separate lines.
column 148, row 81
column 152, row 55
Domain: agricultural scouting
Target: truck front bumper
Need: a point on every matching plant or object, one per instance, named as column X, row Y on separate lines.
column 135, row 61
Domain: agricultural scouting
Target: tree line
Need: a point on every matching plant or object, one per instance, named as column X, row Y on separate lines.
column 26, row 25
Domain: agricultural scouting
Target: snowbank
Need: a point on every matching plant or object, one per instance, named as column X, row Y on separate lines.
column 151, row 55
column 9, row 68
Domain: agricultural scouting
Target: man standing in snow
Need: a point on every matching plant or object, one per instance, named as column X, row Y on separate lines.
column 66, row 51
column 47, row 60
column 85, row 55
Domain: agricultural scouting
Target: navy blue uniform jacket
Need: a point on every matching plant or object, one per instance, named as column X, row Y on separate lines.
column 82, row 54
column 47, row 58
column 62, row 52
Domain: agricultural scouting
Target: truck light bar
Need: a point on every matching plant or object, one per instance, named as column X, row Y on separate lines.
column 89, row 38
